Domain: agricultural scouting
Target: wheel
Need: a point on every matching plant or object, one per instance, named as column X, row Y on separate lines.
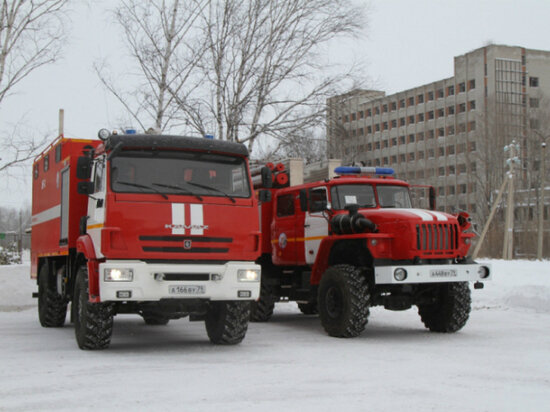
column 309, row 308
column 262, row 310
column 93, row 322
column 450, row 309
column 52, row 307
column 226, row 322
column 155, row 319
column 344, row 301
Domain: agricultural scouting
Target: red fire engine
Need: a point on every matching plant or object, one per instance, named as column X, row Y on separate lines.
column 341, row 245
column 161, row 226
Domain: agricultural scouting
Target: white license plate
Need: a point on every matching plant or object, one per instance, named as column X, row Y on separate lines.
column 443, row 273
column 187, row 290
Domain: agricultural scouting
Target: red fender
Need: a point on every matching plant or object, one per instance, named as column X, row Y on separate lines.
column 85, row 246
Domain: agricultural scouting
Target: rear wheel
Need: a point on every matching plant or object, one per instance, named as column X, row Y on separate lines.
column 52, row 307
column 450, row 308
column 93, row 322
column 344, row 301
column 226, row 322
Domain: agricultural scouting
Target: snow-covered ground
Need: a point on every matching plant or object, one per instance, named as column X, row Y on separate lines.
column 499, row 362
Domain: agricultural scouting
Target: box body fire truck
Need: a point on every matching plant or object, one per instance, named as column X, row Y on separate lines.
column 161, row 226
column 341, row 245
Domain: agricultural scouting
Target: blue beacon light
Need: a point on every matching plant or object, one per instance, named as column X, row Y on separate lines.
column 355, row 170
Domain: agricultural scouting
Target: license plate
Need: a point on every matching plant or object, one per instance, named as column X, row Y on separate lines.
column 187, row 290
column 443, row 273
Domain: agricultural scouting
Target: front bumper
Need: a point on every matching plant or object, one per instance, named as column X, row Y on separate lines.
column 156, row 281
column 433, row 273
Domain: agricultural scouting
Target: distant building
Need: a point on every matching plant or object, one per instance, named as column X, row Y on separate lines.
column 445, row 133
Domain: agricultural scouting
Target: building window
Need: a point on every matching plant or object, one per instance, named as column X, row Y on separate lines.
column 369, row 147
column 411, row 138
column 420, row 155
column 353, row 117
column 401, row 139
column 461, row 87
column 533, row 102
column 441, row 171
column 533, row 82
column 385, row 161
column 430, row 115
column 450, row 110
column 410, row 101
column 440, row 94
column 461, row 148
column 411, row 119
column 394, row 123
column 441, row 151
column 369, row 112
column 430, row 134
column 394, row 159
column 377, row 110
column 402, row 157
column 369, row 129
column 361, row 131
column 473, row 149
column 377, row 162
column 420, row 136
column 394, row 141
column 420, row 99
column 471, row 84
column 472, row 105
column 471, row 125
column 461, row 107
column 450, row 150
column 430, row 96
column 411, row 156
column 451, row 189
column 440, row 112
column 393, row 106
column 401, row 121
column 401, row 103
column 385, row 144
column 462, row 168
column 361, row 114
column 450, row 91
column 384, row 108
column 461, row 127
column 462, row 188
column 431, row 153
column 450, row 130
column 377, row 127
column 377, row 145
column 440, row 132
column 420, row 117
column 385, row 126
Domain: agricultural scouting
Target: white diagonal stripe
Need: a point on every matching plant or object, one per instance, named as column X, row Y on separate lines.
column 178, row 219
column 196, row 219
column 439, row 216
column 48, row 214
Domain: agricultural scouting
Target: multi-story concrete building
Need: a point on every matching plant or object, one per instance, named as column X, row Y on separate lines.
column 450, row 133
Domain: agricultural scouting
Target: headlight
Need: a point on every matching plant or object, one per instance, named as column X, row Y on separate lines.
column 248, row 275
column 118, row 275
column 483, row 272
column 400, row 274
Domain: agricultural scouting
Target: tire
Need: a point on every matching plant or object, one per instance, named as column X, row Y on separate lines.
column 450, row 310
column 226, row 322
column 344, row 301
column 262, row 310
column 52, row 307
column 93, row 322
column 154, row 319
column 309, row 308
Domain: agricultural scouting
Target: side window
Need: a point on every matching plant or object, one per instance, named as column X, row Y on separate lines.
column 317, row 199
column 285, row 205
column 46, row 162
column 98, row 176
column 58, row 153
column 35, row 171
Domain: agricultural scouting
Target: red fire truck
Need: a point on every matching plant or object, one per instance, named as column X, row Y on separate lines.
column 343, row 244
column 161, row 226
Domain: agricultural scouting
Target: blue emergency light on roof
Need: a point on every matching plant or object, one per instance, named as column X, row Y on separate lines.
column 356, row 170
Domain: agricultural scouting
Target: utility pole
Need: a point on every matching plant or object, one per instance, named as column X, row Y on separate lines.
column 508, row 247
column 541, row 202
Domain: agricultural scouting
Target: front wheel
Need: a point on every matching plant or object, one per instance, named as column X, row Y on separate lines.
column 262, row 309
column 344, row 301
column 93, row 321
column 227, row 322
column 450, row 308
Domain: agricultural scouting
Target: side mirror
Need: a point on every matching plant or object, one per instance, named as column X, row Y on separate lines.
column 303, row 200
column 432, row 198
column 264, row 196
column 267, row 177
column 83, row 168
column 85, row 188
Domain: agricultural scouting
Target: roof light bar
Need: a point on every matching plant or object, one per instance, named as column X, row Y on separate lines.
column 355, row 170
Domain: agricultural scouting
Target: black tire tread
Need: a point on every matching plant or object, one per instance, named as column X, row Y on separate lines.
column 262, row 310
column 227, row 322
column 359, row 303
column 451, row 310
column 52, row 307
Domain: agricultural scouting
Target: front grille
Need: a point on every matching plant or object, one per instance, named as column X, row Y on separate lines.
column 436, row 237
column 185, row 276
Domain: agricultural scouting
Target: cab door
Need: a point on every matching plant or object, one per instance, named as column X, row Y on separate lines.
column 96, row 205
column 316, row 224
column 284, row 229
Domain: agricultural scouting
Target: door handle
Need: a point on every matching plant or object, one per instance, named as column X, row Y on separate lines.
column 306, row 225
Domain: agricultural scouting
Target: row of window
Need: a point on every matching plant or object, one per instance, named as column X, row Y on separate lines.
column 46, row 161
column 411, row 101
column 396, row 160
column 442, row 150
column 441, row 131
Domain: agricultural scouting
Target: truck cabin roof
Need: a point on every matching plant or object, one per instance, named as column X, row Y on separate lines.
column 142, row 141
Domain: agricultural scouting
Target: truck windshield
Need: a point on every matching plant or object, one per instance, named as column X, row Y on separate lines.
column 394, row 196
column 179, row 173
column 345, row 195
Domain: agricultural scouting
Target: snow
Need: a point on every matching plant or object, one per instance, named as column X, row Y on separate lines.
column 500, row 361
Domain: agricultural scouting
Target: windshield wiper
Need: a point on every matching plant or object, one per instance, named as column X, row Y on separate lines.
column 215, row 189
column 142, row 187
column 181, row 189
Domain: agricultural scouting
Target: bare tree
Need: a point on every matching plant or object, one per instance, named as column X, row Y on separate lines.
column 31, row 36
column 262, row 67
column 159, row 36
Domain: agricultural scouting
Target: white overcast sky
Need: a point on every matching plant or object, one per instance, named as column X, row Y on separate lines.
column 407, row 43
